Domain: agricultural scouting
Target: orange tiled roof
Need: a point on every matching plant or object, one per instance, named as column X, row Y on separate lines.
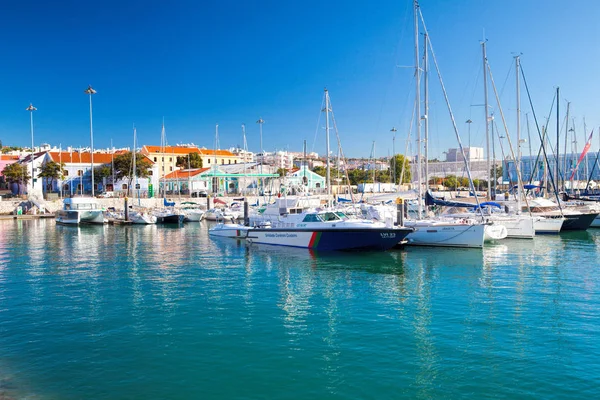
column 219, row 153
column 169, row 150
column 185, row 173
column 83, row 158
column 8, row 157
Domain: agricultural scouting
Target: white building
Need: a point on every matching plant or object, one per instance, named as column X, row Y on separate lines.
column 471, row 153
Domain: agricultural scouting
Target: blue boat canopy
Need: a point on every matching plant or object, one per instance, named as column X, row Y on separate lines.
column 167, row 203
column 491, row 204
column 343, row 200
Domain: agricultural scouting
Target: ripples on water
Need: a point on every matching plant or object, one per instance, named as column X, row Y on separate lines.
column 156, row 312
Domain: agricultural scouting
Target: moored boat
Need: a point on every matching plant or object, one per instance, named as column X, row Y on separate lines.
column 80, row 210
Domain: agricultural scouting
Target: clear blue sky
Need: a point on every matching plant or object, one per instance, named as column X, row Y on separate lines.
column 230, row 62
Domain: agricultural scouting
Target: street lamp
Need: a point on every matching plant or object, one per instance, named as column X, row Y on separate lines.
column 31, row 109
column 469, row 143
column 394, row 130
column 90, row 91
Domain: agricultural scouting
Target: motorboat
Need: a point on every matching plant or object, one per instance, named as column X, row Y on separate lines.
column 574, row 220
column 193, row 212
column 80, row 210
column 322, row 229
column 230, row 230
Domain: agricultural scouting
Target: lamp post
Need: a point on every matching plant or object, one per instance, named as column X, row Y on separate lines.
column 31, row 109
column 90, row 91
column 394, row 130
column 260, row 123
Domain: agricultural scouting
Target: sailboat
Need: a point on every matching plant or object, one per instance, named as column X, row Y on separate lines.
column 448, row 232
column 137, row 215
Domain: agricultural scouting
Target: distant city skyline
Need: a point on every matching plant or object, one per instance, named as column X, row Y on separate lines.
column 200, row 64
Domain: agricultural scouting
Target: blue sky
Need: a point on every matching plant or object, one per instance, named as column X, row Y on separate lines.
column 201, row 63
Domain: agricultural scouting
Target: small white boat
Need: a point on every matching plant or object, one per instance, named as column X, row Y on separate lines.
column 192, row 212
column 218, row 214
column 222, row 229
column 142, row 218
column 80, row 210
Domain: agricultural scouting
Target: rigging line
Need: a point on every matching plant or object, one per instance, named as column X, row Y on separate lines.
column 512, row 152
column 506, row 79
column 412, row 121
column 543, row 147
column 472, row 186
column 318, row 123
column 542, row 139
column 341, row 151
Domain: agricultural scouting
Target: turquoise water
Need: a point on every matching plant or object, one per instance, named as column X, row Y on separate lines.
column 155, row 312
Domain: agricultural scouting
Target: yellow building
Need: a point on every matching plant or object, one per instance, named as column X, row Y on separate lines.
column 218, row 157
column 166, row 157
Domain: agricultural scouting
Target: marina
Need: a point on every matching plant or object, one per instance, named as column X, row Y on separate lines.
column 152, row 311
column 253, row 254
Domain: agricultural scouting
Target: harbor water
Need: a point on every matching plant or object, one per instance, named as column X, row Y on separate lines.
column 154, row 312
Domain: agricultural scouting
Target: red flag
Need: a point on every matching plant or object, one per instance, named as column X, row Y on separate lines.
column 587, row 146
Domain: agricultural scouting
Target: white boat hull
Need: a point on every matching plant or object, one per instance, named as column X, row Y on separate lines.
column 495, row 231
column 434, row 233
column 548, row 225
column 229, row 230
column 518, row 227
column 76, row 217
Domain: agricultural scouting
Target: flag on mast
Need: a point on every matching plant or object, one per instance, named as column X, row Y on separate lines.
column 587, row 146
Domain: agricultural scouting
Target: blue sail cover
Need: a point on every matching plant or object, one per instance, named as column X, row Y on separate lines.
column 343, row 200
column 167, row 203
column 433, row 201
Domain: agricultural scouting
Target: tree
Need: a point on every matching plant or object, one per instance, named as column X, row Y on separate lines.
column 101, row 172
column 195, row 161
column 52, row 171
column 17, row 173
column 123, row 167
column 282, row 172
column 450, row 182
column 323, row 171
column 396, row 163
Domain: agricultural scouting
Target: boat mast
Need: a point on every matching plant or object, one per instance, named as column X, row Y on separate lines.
column 328, row 177
column 215, row 163
column 485, row 106
column 426, row 113
column 565, row 147
column 517, row 67
column 557, row 136
column 418, row 109
column 134, row 164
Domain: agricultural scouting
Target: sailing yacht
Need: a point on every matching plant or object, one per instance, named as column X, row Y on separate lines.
column 467, row 233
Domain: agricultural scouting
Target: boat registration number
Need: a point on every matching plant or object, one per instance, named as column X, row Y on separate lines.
column 388, row 235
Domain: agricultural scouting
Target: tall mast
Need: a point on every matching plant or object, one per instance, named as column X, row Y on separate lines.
column 328, row 177
column 418, row 109
column 134, row 169
column 557, row 136
column 517, row 67
column 565, row 147
column 426, row 113
column 485, row 106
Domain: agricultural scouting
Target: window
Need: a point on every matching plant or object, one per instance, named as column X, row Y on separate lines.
column 154, row 159
column 171, row 168
column 170, row 159
column 229, row 161
column 318, row 185
column 150, row 172
column 124, row 186
column 222, row 161
column 79, row 172
column 162, row 159
column 209, row 160
column 65, row 173
column 311, row 218
column 235, row 161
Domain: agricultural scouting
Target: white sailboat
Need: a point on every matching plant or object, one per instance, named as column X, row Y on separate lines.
column 138, row 215
column 437, row 232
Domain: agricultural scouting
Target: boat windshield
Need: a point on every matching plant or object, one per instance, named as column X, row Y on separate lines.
column 312, row 218
column 329, row 216
column 341, row 215
column 82, row 206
